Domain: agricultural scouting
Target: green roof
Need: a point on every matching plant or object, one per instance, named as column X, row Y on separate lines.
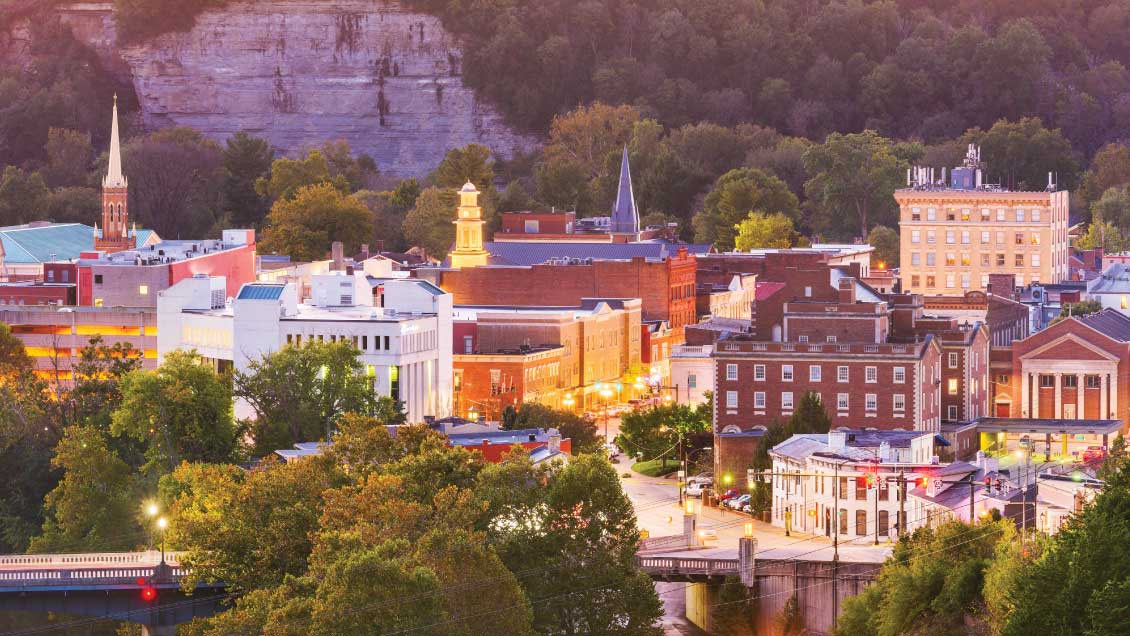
column 53, row 241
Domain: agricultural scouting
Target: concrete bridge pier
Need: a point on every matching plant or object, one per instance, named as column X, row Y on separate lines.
column 158, row 630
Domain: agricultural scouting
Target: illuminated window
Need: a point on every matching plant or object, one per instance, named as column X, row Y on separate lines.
column 143, row 290
column 952, row 387
column 965, row 214
column 1035, row 238
column 97, row 302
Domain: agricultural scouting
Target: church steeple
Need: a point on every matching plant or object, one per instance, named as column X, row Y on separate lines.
column 625, row 216
column 115, row 235
column 469, row 222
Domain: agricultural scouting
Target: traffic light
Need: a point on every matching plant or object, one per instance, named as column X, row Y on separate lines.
column 988, row 484
column 870, row 480
column 921, row 482
column 148, row 593
column 861, row 482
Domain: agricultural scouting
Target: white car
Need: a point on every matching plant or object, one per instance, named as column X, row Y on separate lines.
column 694, row 489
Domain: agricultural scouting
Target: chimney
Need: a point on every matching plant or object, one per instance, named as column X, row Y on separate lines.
column 847, row 291
column 837, row 441
column 337, row 255
column 885, row 452
column 364, row 251
column 554, row 441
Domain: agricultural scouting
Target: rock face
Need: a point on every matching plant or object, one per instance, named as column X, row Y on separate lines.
column 300, row 72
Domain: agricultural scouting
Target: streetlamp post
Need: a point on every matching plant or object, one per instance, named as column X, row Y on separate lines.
column 606, row 393
column 162, row 523
column 151, row 510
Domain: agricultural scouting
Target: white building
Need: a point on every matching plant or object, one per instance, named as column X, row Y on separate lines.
column 822, row 481
column 1112, row 289
column 402, row 328
column 692, row 371
column 1059, row 497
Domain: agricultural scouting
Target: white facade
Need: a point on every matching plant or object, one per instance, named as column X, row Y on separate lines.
column 816, row 481
column 405, row 344
column 692, row 370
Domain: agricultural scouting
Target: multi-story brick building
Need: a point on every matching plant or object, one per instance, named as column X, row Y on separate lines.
column 955, row 233
column 486, row 383
column 665, row 285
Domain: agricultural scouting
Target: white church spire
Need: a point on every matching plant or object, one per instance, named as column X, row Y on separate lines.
column 114, row 177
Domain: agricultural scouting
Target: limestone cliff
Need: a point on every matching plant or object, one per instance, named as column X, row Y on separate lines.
column 299, row 72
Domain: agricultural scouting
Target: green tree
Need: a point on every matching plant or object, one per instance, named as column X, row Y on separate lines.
column 582, row 433
column 472, row 163
column 586, row 136
column 1110, row 168
column 73, row 205
column 1081, row 308
column 96, row 391
column 658, row 431
column 1113, row 207
column 22, row 196
column 1102, row 234
column 735, row 195
column 853, row 179
column 886, row 244
column 306, row 225
column 431, row 224
column 736, row 612
column 760, row 230
column 1022, row 153
column 810, row 415
column 93, row 508
column 69, row 154
column 300, row 392
column 288, row 177
column 246, row 160
column 182, row 411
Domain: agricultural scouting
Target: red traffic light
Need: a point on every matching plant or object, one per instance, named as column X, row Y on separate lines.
column 148, row 593
column 921, row 482
column 870, row 480
column 141, row 580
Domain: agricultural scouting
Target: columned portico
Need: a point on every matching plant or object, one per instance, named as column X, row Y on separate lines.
column 1102, row 375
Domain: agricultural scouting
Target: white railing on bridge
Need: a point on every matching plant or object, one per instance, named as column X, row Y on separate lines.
column 74, row 561
column 687, row 566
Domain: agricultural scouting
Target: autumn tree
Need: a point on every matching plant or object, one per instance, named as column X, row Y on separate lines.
column 885, row 241
column 305, row 226
column 735, row 195
column 852, row 182
column 431, row 224
column 759, row 230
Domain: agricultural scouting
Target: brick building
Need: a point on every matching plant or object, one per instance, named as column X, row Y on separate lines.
column 486, row 383
column 37, row 293
column 665, row 285
column 1078, row 368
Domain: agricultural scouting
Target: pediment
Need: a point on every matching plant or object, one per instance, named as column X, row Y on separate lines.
column 1069, row 347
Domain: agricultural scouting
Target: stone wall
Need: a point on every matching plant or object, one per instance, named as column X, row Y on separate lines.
column 299, row 72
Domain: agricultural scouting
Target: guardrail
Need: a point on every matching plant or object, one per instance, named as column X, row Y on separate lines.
column 73, row 561
column 663, row 543
column 671, row 566
column 84, row 576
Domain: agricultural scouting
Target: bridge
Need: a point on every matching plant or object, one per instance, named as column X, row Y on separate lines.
column 136, row 587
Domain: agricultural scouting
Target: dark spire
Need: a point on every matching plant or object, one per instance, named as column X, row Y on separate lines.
column 625, row 217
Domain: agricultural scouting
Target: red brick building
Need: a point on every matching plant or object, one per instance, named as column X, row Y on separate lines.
column 666, row 286
column 485, row 384
column 1078, row 368
column 36, row 293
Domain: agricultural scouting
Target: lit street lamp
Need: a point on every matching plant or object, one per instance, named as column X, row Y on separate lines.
column 162, row 523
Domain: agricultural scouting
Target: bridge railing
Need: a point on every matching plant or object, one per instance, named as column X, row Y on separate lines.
column 14, row 561
column 687, row 566
column 82, row 576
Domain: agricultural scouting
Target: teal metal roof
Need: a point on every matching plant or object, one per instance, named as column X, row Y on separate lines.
column 54, row 241
column 258, row 291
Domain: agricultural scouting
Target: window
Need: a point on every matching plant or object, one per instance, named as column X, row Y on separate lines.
column 692, row 381
column 915, row 258
column 931, row 259
column 951, row 280
column 1000, row 238
column 759, row 399
column 915, row 236
column 984, row 260
column 1000, row 215
column 787, row 400
column 841, row 374
column 731, row 372
column 871, row 375
column 1034, row 238
column 143, row 290
column 1020, row 216
column 829, row 338
column 951, row 237
column 1019, row 262
column 951, row 386
column 916, row 214
column 1000, row 260
column 98, row 279
column 786, row 373
column 802, row 339
column 900, row 375
column 468, row 344
column 950, row 215
column 1035, row 260
column 732, row 399
column 814, row 372
column 759, row 372
column 899, row 402
column 916, row 280
column 984, row 214
column 951, row 259
column 1019, row 238
column 884, row 521
column 985, row 280
column 1002, row 379
column 931, row 236
column 965, row 259
column 965, row 237
column 1047, row 380
column 861, row 518
column 1093, row 381
column 951, row 412
column 952, row 360
column 965, row 214
column 1036, row 215
column 843, row 520
column 808, row 292
column 1070, row 381
column 984, row 238
column 97, row 302
column 871, row 402
column 931, row 214
column 841, row 401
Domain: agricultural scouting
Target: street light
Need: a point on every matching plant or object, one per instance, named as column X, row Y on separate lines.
column 569, row 401
column 162, row 523
column 606, row 393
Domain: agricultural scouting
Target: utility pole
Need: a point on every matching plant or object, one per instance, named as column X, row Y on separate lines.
column 901, row 523
column 877, row 491
column 836, row 551
column 972, row 492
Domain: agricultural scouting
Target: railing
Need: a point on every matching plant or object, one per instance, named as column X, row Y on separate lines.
column 91, row 577
column 94, row 559
column 659, row 543
column 687, row 566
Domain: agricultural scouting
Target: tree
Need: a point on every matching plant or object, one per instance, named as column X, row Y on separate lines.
column 471, row 163
column 810, row 416
column 69, row 153
column 659, row 431
column 246, row 159
column 760, row 230
column 854, row 177
column 289, row 176
column 886, row 244
column 1113, row 207
column 1101, row 234
column 1081, row 308
column 431, row 224
column 73, row 205
column 1110, row 168
column 96, row 390
column 182, row 410
column 582, row 433
column 735, row 613
column 735, row 195
column 299, row 393
column 305, row 226
column 1022, row 153
column 93, row 508
column 22, row 196
column 176, row 179
column 587, row 135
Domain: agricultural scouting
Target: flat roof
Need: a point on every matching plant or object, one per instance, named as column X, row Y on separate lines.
column 1046, row 425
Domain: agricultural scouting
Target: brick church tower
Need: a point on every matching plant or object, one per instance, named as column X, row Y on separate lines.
column 115, row 235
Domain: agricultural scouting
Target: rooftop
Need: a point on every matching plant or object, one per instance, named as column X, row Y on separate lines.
column 162, row 252
column 44, row 242
column 1109, row 322
column 1047, row 425
column 538, row 252
column 509, row 438
column 1115, row 280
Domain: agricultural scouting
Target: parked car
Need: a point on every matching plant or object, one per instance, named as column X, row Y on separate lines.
column 613, row 452
column 729, row 494
column 695, row 489
column 1094, row 454
column 737, row 502
column 706, row 479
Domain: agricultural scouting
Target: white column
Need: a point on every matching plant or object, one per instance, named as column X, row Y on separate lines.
column 1058, row 395
column 1035, row 378
column 1025, row 409
column 1104, row 402
column 1079, row 390
column 1113, row 397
